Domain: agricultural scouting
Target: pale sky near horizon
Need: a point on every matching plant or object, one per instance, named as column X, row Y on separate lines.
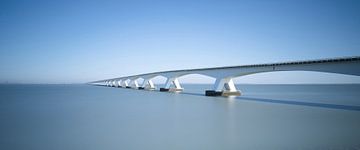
column 85, row 40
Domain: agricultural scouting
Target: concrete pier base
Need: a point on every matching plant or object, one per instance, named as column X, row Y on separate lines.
column 164, row 90
column 171, row 90
column 175, row 90
column 222, row 93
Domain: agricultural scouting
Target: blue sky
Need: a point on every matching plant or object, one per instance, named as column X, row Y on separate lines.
column 81, row 41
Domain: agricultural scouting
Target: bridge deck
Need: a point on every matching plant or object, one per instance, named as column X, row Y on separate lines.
column 341, row 59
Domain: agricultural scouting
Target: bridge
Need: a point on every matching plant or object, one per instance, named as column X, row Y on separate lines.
column 224, row 84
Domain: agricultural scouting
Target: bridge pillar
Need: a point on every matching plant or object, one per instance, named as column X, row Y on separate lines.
column 173, row 81
column 134, row 84
column 147, row 84
column 119, row 83
column 116, row 83
column 223, row 87
column 125, row 84
column 113, row 83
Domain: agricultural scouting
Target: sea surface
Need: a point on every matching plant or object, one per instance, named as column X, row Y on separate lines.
column 86, row 117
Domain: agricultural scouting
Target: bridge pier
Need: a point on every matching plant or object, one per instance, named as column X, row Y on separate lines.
column 119, row 84
column 223, row 87
column 148, row 85
column 115, row 83
column 124, row 84
column 169, row 82
column 134, row 84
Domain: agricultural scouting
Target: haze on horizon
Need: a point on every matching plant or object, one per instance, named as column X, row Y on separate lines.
column 80, row 41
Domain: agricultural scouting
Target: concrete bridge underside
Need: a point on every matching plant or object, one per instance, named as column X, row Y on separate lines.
column 224, row 85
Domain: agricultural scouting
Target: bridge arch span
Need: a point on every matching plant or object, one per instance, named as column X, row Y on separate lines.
column 197, row 76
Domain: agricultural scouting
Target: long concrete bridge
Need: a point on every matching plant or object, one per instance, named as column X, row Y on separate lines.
column 224, row 85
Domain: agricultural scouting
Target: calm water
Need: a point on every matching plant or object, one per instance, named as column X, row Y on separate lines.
column 44, row 117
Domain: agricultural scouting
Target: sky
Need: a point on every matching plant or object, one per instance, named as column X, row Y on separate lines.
column 78, row 41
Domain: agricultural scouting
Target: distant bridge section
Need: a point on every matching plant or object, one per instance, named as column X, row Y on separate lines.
column 224, row 85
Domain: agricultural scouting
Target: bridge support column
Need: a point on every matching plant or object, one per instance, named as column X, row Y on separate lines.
column 173, row 81
column 115, row 83
column 148, row 85
column 125, row 84
column 119, row 83
column 134, row 84
column 223, row 87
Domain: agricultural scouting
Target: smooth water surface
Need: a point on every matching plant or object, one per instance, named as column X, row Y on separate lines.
column 43, row 117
